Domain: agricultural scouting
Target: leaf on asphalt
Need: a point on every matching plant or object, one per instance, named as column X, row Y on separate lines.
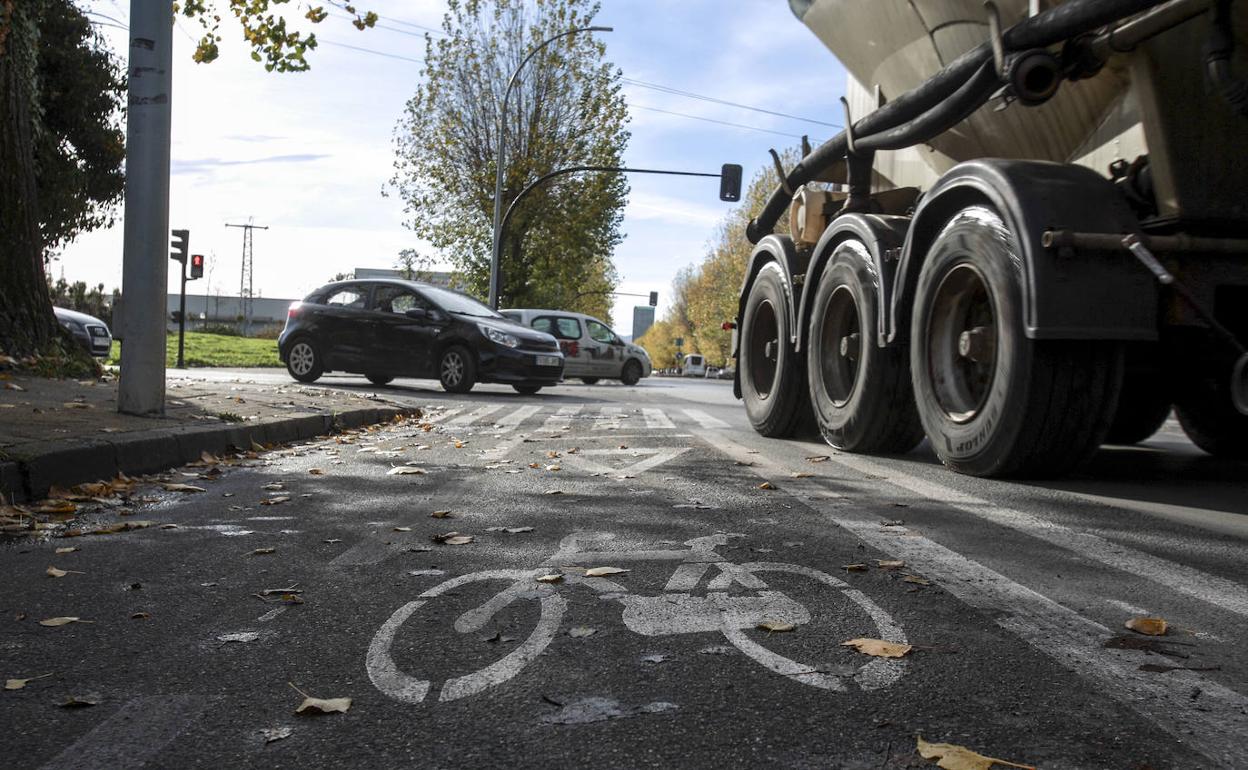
column 917, row 580
column 262, row 551
column 17, row 684
column 313, row 705
column 551, row 578
column 242, row 636
column 316, row 471
column 452, row 538
column 954, row 757
column 278, row 500
column 141, row 616
column 271, row 734
column 890, row 563
column 1148, row 626
column 60, row 573
column 332, row 540
column 275, row 486
column 402, row 529
column 174, row 487
column 553, row 492
column 517, row 530
column 854, row 567
column 553, row 468
column 801, row 475
column 601, row 571
column 405, row 470
column 168, row 526
column 552, row 454
column 460, row 444
column 766, row 485
column 745, row 463
column 817, row 459
column 80, row 701
column 121, row 526
column 574, row 450
column 54, row 506
column 62, row 621
column 535, row 466
column 441, row 514
column 775, row 626
column 207, row 458
column 580, row 632
column 878, row 648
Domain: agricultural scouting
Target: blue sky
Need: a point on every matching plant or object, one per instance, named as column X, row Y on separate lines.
column 308, row 154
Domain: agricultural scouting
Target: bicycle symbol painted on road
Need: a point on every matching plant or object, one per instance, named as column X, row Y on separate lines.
column 678, row 610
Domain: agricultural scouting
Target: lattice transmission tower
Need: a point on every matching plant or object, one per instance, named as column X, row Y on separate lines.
column 246, row 279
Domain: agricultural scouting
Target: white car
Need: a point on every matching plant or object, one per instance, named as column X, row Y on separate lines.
column 693, row 365
column 591, row 351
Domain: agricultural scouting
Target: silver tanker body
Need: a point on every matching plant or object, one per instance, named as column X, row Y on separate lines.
column 1039, row 241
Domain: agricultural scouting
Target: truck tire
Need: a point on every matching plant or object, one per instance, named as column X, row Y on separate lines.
column 773, row 384
column 1210, row 420
column 860, row 393
column 1144, row 402
column 992, row 401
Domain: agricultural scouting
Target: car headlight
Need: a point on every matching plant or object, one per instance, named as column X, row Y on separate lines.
column 74, row 326
column 499, row 337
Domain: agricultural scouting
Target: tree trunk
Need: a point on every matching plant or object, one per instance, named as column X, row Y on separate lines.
column 27, row 325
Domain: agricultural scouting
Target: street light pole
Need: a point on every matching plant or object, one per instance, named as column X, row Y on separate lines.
column 500, row 157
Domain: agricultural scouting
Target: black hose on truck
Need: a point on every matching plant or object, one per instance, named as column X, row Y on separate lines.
column 1218, row 53
column 929, row 109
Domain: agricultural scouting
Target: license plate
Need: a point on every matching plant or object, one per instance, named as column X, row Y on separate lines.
column 549, row 360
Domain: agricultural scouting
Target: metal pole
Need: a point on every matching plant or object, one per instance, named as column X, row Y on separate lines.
column 500, row 159
column 182, row 318
column 145, row 260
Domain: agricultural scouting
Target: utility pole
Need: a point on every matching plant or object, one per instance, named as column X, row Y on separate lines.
column 246, row 280
column 145, row 260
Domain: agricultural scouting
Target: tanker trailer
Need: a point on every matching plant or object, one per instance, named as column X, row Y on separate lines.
column 1030, row 239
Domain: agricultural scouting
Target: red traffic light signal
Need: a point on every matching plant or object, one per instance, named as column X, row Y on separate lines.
column 197, row 266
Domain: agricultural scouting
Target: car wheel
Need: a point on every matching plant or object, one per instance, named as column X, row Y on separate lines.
column 457, row 370
column 527, row 390
column 631, row 374
column 590, row 380
column 303, row 361
column 380, row 379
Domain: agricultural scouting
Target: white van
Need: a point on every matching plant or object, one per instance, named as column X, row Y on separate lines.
column 694, row 365
column 591, row 351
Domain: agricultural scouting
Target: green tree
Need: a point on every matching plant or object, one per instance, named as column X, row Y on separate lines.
column 566, row 109
column 267, row 31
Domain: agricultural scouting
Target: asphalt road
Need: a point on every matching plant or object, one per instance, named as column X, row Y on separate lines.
column 1012, row 597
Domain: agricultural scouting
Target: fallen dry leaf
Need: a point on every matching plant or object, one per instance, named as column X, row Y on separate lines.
column 1148, row 626
column 441, row 514
column 405, row 470
column 121, row 526
column 60, row 573
column 332, row 540
column 890, row 563
column 775, row 626
column 535, row 466
column 262, row 551
column 62, row 621
column 552, row 578
column 141, row 616
column 817, row 459
column 917, row 580
column 271, row 734
column 278, row 500
column 878, row 648
column 854, row 567
column 952, row 757
column 174, row 487
column 313, row 705
column 80, row 701
column 69, row 549
column 316, row 471
column 17, row 684
column 801, row 475
column 402, row 529
column 452, row 538
column 54, row 506
column 256, row 447
column 274, row 486
column 766, row 485
column 580, row 632
column 553, row 492
column 601, row 571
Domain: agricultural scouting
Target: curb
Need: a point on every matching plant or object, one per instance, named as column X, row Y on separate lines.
column 66, row 463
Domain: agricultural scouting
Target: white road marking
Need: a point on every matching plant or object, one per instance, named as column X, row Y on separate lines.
column 445, row 414
column 133, row 735
column 560, row 420
column 652, row 458
column 609, row 418
column 1213, row 724
column 705, row 420
column 367, row 551
column 656, row 419
column 271, row 614
column 513, row 420
column 468, row 419
column 1212, row 589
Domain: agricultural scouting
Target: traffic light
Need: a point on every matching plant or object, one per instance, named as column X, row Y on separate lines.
column 197, row 266
column 654, row 299
column 730, row 182
column 180, row 244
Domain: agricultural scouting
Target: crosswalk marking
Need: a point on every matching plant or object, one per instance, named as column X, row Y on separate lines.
column 656, row 419
column 511, row 421
column 471, row 417
column 704, row 419
column 559, row 420
column 608, row 418
column 445, row 414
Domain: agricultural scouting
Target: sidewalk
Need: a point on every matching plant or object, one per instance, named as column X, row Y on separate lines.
column 66, row 432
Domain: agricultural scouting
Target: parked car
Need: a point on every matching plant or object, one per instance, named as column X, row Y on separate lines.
column 392, row 328
column 693, row 365
column 592, row 351
column 89, row 331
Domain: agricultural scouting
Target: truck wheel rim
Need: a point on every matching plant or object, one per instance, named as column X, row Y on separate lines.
column 452, row 369
column 841, row 346
column 763, row 348
column 962, row 343
column 301, row 358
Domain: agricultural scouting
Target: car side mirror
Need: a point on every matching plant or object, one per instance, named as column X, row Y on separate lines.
column 418, row 314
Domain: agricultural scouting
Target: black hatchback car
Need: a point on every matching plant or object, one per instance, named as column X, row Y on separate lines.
column 391, row 328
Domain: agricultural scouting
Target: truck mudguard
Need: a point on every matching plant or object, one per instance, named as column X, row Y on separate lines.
column 778, row 249
column 883, row 235
column 1067, row 295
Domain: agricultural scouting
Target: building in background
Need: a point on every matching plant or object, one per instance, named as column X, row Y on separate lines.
column 435, row 277
column 643, row 319
column 268, row 314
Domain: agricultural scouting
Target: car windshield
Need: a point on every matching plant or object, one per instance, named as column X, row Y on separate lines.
column 453, row 302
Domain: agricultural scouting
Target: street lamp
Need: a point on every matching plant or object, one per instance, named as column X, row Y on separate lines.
column 496, row 251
